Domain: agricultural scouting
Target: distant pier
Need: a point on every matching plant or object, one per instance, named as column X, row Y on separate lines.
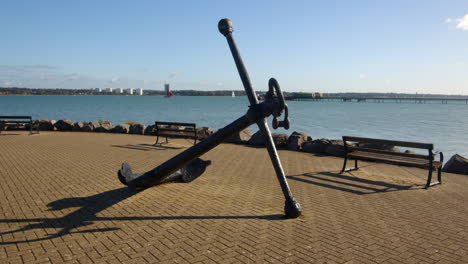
column 416, row 100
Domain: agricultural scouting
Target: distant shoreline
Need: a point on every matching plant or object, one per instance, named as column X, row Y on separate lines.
column 92, row 92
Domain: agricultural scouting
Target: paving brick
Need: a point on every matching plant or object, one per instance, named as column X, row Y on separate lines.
column 61, row 202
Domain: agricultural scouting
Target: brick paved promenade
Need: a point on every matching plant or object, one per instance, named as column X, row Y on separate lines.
column 61, row 201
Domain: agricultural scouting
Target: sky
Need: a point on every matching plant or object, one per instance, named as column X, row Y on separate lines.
column 398, row 46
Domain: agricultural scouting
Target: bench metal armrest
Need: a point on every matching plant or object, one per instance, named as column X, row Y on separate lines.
column 441, row 155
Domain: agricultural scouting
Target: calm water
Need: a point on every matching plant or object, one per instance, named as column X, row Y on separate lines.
column 445, row 125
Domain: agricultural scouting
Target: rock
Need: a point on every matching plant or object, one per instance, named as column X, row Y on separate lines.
column 122, row 128
column 241, row 137
column 456, row 164
column 105, row 126
column 137, row 129
column 296, row 140
column 381, row 147
column 204, row 132
column 89, row 126
column 335, row 148
column 46, row 125
column 64, row 125
column 256, row 139
column 317, row 146
column 280, row 140
column 78, row 126
column 149, row 131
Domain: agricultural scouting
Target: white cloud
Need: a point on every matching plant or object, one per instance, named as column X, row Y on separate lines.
column 7, row 84
column 362, row 76
column 174, row 74
column 461, row 23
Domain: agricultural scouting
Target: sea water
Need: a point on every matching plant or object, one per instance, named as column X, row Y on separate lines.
column 445, row 125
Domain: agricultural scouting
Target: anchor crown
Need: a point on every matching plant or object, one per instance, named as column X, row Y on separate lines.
column 225, row 26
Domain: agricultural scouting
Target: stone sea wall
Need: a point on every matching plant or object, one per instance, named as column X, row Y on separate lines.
column 297, row 141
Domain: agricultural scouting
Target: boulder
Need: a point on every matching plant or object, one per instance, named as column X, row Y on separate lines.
column 335, row 148
column 64, row 125
column 137, row 129
column 280, row 140
column 317, row 146
column 46, row 125
column 149, row 130
column 241, row 137
column 89, row 126
column 122, row 128
column 104, row 126
column 204, row 132
column 296, row 139
column 78, row 126
column 456, row 164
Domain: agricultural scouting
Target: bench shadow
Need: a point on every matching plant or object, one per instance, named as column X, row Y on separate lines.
column 146, row 147
column 351, row 183
column 86, row 215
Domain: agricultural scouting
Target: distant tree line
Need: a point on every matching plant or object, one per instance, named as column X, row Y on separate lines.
column 59, row 91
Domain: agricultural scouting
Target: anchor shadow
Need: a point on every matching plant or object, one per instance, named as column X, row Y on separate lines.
column 86, row 215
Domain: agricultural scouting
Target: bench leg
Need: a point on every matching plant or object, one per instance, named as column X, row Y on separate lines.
column 429, row 179
column 344, row 165
column 439, row 174
column 351, row 169
column 157, row 140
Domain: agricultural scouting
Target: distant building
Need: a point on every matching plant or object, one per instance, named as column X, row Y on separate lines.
column 167, row 89
column 129, row 91
column 97, row 90
column 118, row 90
column 108, row 90
column 139, row 91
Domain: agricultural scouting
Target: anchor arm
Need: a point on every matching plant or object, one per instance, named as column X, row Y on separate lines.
column 168, row 168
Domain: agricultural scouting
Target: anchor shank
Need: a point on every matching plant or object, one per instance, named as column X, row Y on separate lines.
column 244, row 75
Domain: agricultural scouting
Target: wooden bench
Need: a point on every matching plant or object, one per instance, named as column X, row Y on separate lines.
column 358, row 152
column 175, row 129
column 17, row 121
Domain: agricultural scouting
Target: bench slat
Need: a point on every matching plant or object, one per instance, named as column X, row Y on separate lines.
column 172, row 133
column 403, row 154
column 410, row 162
column 389, row 142
column 175, row 124
column 14, row 122
column 174, row 129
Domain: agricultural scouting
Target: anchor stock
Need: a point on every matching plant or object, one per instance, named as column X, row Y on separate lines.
column 188, row 166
